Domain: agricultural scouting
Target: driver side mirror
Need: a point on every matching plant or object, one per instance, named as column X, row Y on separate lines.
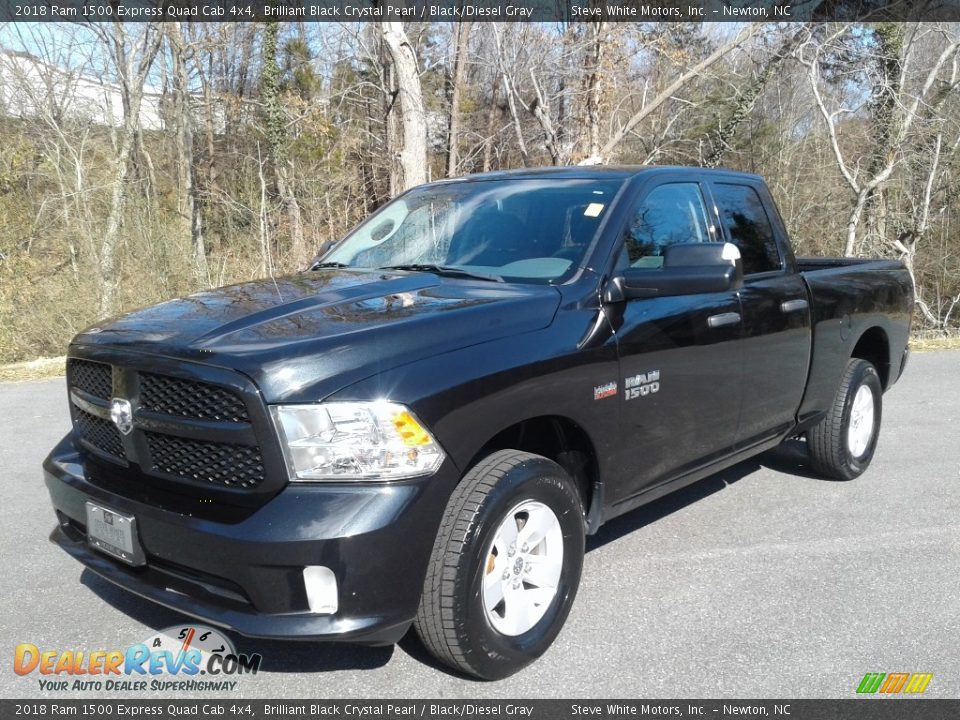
column 688, row 269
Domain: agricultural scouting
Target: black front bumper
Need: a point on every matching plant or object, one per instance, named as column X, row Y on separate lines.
column 247, row 576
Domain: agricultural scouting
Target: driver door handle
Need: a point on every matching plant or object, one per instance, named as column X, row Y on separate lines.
column 793, row 305
column 729, row 318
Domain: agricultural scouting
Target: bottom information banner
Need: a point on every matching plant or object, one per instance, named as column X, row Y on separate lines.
column 872, row 709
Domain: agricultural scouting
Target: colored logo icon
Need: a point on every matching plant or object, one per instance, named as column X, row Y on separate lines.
column 894, row 683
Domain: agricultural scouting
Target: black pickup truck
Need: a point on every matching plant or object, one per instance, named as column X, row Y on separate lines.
column 422, row 428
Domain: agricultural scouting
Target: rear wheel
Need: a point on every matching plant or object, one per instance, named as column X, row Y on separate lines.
column 505, row 566
column 842, row 445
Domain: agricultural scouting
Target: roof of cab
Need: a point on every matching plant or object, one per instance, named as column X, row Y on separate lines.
column 595, row 172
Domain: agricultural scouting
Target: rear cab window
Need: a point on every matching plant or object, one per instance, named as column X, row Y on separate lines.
column 746, row 225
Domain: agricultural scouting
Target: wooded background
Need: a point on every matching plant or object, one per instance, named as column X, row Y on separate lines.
column 144, row 161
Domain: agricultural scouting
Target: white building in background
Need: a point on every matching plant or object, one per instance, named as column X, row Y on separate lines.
column 31, row 87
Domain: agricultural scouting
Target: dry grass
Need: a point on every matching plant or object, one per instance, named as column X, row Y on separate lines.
column 928, row 344
column 33, row 369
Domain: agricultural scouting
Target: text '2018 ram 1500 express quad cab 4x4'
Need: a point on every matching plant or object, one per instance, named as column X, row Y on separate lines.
column 421, row 429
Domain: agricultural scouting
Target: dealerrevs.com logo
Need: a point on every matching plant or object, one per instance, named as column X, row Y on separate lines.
column 188, row 658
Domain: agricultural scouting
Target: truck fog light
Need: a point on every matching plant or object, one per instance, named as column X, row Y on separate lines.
column 321, row 586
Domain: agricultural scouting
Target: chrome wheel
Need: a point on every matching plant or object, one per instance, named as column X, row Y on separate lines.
column 860, row 428
column 522, row 568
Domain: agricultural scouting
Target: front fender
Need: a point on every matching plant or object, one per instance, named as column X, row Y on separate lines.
column 468, row 396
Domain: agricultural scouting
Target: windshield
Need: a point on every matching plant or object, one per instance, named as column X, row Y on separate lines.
column 535, row 230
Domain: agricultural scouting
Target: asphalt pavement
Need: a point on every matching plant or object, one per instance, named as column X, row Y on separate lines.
column 763, row 581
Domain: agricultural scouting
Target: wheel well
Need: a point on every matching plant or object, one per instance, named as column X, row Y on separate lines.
column 874, row 347
column 557, row 438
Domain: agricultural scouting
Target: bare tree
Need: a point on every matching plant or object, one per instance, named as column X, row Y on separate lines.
column 412, row 157
column 47, row 87
column 745, row 99
column 265, row 138
column 509, row 90
column 901, row 104
column 188, row 207
column 670, row 91
column 276, row 129
column 132, row 58
column 457, row 80
column 594, row 84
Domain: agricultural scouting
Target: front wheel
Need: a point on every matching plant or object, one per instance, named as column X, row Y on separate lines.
column 505, row 566
column 842, row 445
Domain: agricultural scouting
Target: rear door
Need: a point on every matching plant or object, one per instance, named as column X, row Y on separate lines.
column 774, row 306
column 679, row 385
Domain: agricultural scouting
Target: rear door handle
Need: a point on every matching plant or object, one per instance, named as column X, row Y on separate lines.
column 722, row 319
column 793, row 305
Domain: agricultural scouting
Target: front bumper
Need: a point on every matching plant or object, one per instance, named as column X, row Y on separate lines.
column 247, row 576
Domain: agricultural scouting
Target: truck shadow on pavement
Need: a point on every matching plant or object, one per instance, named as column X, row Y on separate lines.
column 316, row 657
column 789, row 458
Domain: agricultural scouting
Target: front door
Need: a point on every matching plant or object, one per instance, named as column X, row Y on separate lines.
column 680, row 362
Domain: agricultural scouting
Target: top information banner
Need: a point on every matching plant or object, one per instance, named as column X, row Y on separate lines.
column 480, row 10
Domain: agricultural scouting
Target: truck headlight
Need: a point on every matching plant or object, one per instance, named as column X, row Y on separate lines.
column 354, row 441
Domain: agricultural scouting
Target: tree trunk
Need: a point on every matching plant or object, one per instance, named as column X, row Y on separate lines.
column 517, row 126
column 493, row 114
column 132, row 80
column 298, row 245
column 721, row 136
column 107, row 263
column 540, row 109
column 594, row 87
column 853, row 222
column 191, row 222
column 456, row 89
column 266, row 263
column 277, row 139
column 412, row 158
column 886, row 111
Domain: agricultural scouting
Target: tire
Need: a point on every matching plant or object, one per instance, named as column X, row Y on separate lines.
column 842, row 445
column 471, row 560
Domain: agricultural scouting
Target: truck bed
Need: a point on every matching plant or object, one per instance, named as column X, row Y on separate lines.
column 847, row 296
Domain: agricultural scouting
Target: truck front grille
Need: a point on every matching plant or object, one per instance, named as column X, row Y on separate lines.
column 207, row 462
column 189, row 436
column 186, row 398
column 91, row 377
column 100, row 433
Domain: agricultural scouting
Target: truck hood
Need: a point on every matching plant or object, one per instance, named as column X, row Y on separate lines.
column 303, row 337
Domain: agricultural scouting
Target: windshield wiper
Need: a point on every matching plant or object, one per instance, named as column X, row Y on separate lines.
column 321, row 265
column 445, row 270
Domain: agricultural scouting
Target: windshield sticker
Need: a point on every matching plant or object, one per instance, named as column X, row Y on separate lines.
column 593, row 210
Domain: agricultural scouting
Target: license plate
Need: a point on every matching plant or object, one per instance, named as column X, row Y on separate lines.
column 113, row 533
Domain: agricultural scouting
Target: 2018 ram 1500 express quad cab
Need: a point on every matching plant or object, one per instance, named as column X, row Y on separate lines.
column 422, row 428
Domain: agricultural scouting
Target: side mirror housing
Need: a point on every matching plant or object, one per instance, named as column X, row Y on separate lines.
column 688, row 269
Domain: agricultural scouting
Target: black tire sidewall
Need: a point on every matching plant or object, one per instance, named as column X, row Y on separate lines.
column 494, row 655
column 864, row 374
